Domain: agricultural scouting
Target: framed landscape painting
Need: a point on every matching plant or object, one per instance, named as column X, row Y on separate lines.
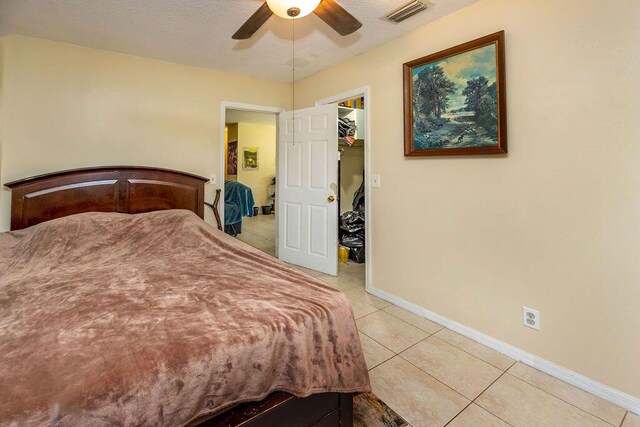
column 250, row 159
column 455, row 100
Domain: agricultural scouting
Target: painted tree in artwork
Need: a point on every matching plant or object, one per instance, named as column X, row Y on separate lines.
column 431, row 91
column 482, row 99
column 475, row 90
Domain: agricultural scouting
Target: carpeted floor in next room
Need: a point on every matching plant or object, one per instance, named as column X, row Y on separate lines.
column 425, row 375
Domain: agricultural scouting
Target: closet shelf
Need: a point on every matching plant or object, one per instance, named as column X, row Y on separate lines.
column 358, row 143
column 347, row 110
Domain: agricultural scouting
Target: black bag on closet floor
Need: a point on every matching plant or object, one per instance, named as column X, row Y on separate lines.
column 352, row 232
column 357, row 255
column 351, row 217
column 358, row 200
column 353, row 240
column 352, row 235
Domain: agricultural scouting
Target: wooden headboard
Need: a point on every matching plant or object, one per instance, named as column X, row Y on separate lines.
column 124, row 189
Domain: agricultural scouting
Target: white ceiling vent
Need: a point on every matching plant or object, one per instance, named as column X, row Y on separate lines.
column 407, row 11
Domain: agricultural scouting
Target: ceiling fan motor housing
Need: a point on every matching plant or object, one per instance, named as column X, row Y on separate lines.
column 293, row 11
column 327, row 10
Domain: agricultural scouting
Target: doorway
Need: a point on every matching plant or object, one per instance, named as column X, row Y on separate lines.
column 351, row 275
column 351, row 212
column 355, row 183
column 313, row 182
column 248, row 165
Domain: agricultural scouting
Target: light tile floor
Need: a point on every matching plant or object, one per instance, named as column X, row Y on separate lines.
column 432, row 376
column 259, row 232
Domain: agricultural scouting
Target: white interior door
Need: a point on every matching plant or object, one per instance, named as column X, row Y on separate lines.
column 307, row 187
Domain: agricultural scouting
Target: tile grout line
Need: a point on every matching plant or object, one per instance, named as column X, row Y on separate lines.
column 394, row 353
column 355, row 287
column 350, row 273
column 252, row 244
column 404, row 321
column 569, row 403
column 413, row 345
column 436, row 379
column 443, row 383
column 260, row 229
column 484, row 391
column 458, row 348
column 446, row 385
column 481, row 408
column 415, row 326
column 257, row 229
column 560, row 399
column 453, row 345
column 456, row 415
column 362, row 299
column 475, row 342
column 503, row 371
column 624, row 418
column 473, row 355
column 487, row 387
column 378, row 309
column 386, row 360
column 451, row 388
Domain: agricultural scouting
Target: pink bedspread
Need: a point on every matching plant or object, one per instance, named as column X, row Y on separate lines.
column 157, row 319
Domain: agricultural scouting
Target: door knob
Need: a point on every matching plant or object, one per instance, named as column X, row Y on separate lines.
column 331, row 199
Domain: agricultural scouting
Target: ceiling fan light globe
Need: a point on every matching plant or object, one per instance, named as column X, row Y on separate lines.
column 281, row 7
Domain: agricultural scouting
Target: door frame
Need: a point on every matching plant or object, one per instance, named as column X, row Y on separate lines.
column 229, row 105
column 364, row 91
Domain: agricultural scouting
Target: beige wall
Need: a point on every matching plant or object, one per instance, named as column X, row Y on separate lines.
column 554, row 225
column 68, row 106
column 351, row 167
column 233, row 131
column 263, row 137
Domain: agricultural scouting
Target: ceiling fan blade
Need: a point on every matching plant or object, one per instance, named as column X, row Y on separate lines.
column 253, row 23
column 337, row 18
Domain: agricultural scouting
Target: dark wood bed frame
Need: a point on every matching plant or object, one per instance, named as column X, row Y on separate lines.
column 137, row 189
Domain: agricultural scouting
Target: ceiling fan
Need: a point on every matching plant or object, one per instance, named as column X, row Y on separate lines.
column 328, row 10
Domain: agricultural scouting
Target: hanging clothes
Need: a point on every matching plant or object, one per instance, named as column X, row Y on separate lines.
column 346, row 127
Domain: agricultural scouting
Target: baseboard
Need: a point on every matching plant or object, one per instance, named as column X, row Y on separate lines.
column 603, row 391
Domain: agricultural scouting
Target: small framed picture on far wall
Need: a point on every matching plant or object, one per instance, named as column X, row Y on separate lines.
column 249, row 159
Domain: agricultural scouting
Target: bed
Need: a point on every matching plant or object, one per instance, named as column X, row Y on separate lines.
column 157, row 318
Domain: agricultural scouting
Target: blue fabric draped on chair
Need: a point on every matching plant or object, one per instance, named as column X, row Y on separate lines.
column 238, row 203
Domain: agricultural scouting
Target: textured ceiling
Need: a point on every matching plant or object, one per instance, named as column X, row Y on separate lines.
column 198, row 32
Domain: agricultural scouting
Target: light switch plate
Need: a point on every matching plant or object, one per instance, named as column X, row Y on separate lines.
column 213, row 179
column 375, row 181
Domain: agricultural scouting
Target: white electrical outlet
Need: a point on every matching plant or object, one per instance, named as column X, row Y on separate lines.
column 213, row 178
column 375, row 181
column 531, row 318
